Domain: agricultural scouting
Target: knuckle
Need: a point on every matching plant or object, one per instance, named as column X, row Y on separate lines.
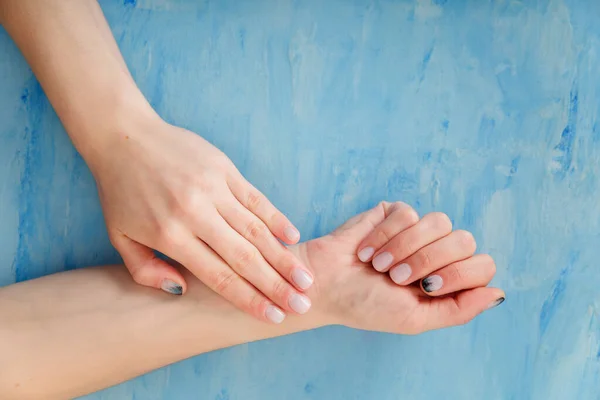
column 441, row 221
column 281, row 289
column 466, row 240
column 243, row 259
column 255, row 230
column 257, row 304
column 424, row 259
column 382, row 236
column 407, row 247
column 168, row 234
column 385, row 206
column 410, row 215
column 253, row 200
column 455, row 273
column 189, row 200
column 205, row 182
column 223, row 280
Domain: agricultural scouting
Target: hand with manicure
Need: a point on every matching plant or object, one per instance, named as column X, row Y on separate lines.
column 391, row 235
column 426, row 250
column 165, row 188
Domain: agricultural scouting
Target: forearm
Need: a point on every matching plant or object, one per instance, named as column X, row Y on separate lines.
column 72, row 52
column 79, row 331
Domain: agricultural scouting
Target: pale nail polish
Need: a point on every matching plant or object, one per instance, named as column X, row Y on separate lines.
column 365, row 254
column 274, row 314
column 171, row 287
column 291, row 233
column 382, row 261
column 496, row 303
column 302, row 278
column 432, row 283
column 400, row 273
column 299, row 303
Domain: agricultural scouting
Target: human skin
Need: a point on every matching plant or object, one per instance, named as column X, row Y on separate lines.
column 54, row 347
column 161, row 187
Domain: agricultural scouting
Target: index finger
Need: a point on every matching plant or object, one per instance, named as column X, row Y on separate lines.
column 258, row 204
column 399, row 216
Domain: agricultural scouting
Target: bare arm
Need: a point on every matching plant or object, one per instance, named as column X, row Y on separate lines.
column 72, row 52
column 80, row 331
column 161, row 187
column 76, row 332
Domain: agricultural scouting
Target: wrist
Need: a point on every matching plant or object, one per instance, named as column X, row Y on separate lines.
column 321, row 313
column 201, row 307
column 100, row 127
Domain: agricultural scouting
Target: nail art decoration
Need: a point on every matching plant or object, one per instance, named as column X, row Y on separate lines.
column 496, row 303
column 171, row 287
column 432, row 283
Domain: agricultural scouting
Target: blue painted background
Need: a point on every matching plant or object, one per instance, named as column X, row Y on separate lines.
column 486, row 110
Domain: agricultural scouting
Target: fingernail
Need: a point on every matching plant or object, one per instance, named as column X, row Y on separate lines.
column 291, row 233
column 299, row 303
column 400, row 273
column 496, row 303
column 365, row 254
column 275, row 315
column 432, row 283
column 302, row 278
column 171, row 287
column 382, row 261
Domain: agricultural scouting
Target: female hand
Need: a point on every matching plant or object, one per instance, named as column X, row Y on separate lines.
column 165, row 188
column 348, row 292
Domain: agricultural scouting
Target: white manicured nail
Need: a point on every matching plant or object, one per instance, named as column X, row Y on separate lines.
column 302, row 278
column 275, row 315
column 400, row 273
column 365, row 254
column 299, row 303
column 382, row 261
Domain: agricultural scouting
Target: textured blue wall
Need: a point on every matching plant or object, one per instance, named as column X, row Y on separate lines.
column 486, row 110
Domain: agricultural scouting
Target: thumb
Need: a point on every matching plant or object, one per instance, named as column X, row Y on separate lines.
column 361, row 225
column 146, row 268
column 460, row 308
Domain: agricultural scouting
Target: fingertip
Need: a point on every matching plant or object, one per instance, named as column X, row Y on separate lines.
column 171, row 287
column 365, row 254
column 274, row 314
column 302, row 278
column 481, row 299
column 498, row 296
column 496, row 302
column 161, row 275
column 291, row 235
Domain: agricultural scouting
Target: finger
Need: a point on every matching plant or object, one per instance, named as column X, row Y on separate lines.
column 277, row 255
column 207, row 266
column 248, row 262
column 459, row 309
column 399, row 216
column 260, row 206
column 457, row 246
column 146, row 268
column 467, row 274
column 432, row 227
